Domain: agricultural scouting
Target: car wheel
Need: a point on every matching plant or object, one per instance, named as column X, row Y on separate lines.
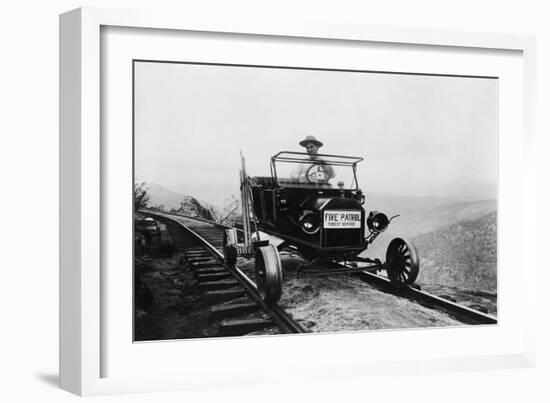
column 402, row 262
column 269, row 273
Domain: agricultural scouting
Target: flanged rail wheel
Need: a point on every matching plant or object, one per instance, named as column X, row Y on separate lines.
column 269, row 273
column 229, row 246
column 402, row 262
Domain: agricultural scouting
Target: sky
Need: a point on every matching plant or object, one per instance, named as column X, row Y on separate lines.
column 421, row 136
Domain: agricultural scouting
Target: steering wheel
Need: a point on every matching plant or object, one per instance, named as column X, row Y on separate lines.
column 316, row 174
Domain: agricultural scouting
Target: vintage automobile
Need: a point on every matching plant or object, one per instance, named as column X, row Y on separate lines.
column 315, row 206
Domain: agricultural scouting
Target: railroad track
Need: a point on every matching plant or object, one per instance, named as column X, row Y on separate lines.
column 236, row 306
column 413, row 293
column 457, row 311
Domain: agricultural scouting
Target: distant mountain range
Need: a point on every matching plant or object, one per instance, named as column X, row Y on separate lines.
column 421, row 216
column 419, row 219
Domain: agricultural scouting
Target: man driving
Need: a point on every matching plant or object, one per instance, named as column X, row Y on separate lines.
column 318, row 171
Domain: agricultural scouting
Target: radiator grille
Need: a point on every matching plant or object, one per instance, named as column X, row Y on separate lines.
column 342, row 237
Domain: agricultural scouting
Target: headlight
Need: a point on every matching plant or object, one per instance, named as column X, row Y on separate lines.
column 309, row 222
column 377, row 222
column 359, row 196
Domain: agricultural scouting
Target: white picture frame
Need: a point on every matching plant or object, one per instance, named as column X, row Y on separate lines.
column 83, row 342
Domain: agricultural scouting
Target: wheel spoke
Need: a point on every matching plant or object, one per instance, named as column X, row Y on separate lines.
column 403, row 269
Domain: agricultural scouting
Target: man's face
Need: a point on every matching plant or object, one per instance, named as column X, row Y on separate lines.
column 312, row 149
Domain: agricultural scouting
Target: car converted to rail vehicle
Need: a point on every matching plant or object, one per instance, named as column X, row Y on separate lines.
column 316, row 207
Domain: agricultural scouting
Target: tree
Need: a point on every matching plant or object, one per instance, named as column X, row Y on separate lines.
column 230, row 210
column 141, row 197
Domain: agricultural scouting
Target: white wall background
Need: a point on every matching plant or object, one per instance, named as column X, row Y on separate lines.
column 29, row 155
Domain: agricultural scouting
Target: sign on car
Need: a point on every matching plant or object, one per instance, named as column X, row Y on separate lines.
column 342, row 219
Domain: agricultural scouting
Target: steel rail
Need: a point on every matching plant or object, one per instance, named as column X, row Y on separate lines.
column 460, row 312
column 161, row 213
column 273, row 310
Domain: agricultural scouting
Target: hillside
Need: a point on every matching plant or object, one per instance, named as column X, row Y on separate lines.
column 461, row 255
column 166, row 198
column 395, row 203
column 422, row 216
column 170, row 201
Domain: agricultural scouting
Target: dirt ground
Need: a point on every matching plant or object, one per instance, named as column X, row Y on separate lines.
column 345, row 303
column 479, row 300
column 165, row 302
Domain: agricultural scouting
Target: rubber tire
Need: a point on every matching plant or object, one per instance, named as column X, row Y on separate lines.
column 393, row 267
column 269, row 273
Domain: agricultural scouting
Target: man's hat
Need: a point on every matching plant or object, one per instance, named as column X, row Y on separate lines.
column 311, row 139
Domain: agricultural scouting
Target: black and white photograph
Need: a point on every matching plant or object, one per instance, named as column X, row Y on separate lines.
column 272, row 200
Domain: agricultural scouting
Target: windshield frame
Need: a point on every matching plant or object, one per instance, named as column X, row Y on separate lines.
column 304, row 158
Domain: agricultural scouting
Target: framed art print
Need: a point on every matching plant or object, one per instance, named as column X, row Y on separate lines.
column 235, row 193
